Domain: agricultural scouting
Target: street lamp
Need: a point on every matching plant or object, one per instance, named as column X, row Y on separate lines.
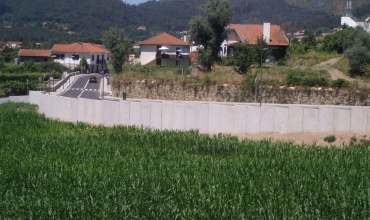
column 51, row 56
column 81, row 57
column 262, row 50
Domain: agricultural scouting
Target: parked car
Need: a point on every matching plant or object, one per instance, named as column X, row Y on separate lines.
column 93, row 79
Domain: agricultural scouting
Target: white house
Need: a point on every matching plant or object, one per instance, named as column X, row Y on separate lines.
column 70, row 55
column 274, row 37
column 350, row 20
column 166, row 50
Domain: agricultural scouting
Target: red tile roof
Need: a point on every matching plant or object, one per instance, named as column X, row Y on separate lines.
column 78, row 48
column 33, row 53
column 251, row 32
column 164, row 39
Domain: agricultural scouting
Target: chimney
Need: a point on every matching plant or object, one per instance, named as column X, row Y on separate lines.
column 266, row 32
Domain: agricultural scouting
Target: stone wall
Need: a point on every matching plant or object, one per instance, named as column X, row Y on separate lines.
column 232, row 93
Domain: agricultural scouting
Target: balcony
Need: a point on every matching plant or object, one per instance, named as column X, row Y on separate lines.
column 100, row 61
column 172, row 56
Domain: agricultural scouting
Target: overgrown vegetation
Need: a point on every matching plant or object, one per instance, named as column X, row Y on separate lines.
column 59, row 170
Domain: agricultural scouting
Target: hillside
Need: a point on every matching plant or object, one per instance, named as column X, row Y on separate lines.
column 329, row 6
column 50, row 20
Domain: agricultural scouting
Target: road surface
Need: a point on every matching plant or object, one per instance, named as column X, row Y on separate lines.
column 82, row 88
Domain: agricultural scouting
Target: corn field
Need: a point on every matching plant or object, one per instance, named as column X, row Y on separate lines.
column 60, row 170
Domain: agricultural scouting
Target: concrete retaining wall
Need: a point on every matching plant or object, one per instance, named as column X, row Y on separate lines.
column 19, row 98
column 207, row 117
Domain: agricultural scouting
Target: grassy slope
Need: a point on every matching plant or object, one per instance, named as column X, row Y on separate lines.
column 50, row 169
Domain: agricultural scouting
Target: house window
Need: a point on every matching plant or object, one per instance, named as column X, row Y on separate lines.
column 75, row 57
column 61, row 56
column 92, row 57
column 107, row 57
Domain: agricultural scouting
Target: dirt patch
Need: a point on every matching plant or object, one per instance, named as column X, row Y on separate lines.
column 336, row 74
column 307, row 139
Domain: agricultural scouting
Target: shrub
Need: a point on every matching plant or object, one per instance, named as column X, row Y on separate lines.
column 339, row 83
column 330, row 139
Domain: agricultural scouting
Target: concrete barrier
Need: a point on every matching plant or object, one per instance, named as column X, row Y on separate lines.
column 98, row 112
column 74, row 110
column 81, row 110
column 202, row 117
column 190, row 116
column 178, row 116
column 227, row 118
column 214, row 118
column 326, row 119
column 295, row 123
column 206, row 117
column 253, row 119
column 281, row 118
column 124, row 112
column 156, row 115
column 267, row 119
column 167, row 115
column 342, row 120
column 89, row 111
column 240, row 119
column 310, row 120
column 135, row 113
column 145, row 114
column 25, row 99
column 358, row 120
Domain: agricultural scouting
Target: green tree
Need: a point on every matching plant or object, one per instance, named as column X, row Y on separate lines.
column 244, row 56
column 120, row 46
column 358, row 56
column 210, row 31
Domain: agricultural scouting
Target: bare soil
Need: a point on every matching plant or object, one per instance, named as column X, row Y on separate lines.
column 308, row 139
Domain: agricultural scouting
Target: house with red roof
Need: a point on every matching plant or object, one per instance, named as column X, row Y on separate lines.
column 70, row 55
column 274, row 37
column 37, row 56
column 166, row 50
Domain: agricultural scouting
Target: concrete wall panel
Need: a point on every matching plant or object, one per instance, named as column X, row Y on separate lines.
column 240, row 119
column 178, row 116
column 281, row 119
column 295, row 119
column 98, row 112
column 34, row 97
column 74, row 110
column 202, row 117
column 145, row 114
column 135, row 113
column 326, row 119
column 89, row 112
column 156, row 115
column 342, row 120
column 167, row 115
column 66, row 108
column 253, row 119
column 124, row 112
column 81, row 115
column 227, row 118
column 267, row 119
column 214, row 118
column 106, row 113
column 310, row 120
column 25, row 99
column 358, row 120
column 42, row 105
column 368, row 121
column 115, row 113
column 190, row 116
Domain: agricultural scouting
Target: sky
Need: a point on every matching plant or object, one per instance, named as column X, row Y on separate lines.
column 134, row 2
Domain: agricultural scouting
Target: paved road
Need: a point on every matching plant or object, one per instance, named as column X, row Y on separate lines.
column 82, row 88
